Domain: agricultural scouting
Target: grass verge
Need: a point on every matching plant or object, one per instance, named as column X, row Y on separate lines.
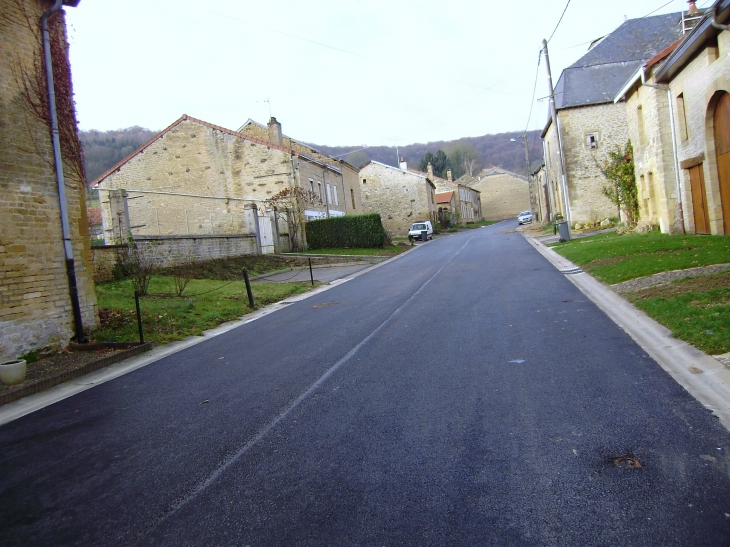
column 473, row 225
column 205, row 304
column 390, row 250
column 614, row 258
column 696, row 310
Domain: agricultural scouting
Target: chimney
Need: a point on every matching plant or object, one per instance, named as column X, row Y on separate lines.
column 275, row 132
column 448, row 176
column 693, row 8
column 403, row 164
column 430, row 171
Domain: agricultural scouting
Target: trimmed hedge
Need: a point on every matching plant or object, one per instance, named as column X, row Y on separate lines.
column 363, row 231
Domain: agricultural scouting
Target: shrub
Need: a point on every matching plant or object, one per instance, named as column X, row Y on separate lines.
column 364, row 231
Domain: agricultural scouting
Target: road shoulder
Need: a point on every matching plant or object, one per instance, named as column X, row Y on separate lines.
column 703, row 376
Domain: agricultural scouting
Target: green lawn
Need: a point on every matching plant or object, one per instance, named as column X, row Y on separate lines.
column 615, row 258
column 205, row 304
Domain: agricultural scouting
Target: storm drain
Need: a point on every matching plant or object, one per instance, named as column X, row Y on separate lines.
column 325, row 304
column 627, row 462
column 572, row 271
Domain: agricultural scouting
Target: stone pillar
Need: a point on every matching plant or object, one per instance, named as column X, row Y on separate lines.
column 120, row 215
column 251, row 212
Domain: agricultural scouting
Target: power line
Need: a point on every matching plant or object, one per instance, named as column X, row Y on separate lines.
column 534, row 90
column 559, row 20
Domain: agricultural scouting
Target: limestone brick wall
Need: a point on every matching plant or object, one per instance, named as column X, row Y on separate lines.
column 648, row 118
column 169, row 251
column 700, row 84
column 350, row 174
column 553, row 170
column 400, row 197
column 195, row 179
column 502, row 195
column 540, row 191
column 315, row 177
column 35, row 306
column 585, row 180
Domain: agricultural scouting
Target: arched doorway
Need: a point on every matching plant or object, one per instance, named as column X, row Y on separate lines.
column 721, row 122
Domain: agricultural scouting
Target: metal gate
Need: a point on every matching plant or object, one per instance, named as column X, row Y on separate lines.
column 267, row 232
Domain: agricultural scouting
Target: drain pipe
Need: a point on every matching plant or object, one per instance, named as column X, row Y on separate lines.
column 680, row 209
column 70, row 266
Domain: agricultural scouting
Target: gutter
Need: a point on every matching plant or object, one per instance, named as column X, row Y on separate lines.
column 58, row 161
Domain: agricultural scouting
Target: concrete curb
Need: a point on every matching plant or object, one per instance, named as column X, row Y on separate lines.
column 703, row 376
column 27, row 405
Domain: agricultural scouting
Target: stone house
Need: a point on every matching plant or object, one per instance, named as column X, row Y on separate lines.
column 541, row 193
column 196, row 178
column 589, row 122
column 446, row 203
column 697, row 73
column 503, row 194
column 400, row 196
column 342, row 194
column 467, row 201
column 47, row 294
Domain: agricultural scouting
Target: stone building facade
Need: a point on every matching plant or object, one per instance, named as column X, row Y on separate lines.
column 196, row 178
column 344, row 194
column 502, row 194
column 588, row 123
column 467, row 201
column 35, row 302
column 698, row 75
column 400, row 196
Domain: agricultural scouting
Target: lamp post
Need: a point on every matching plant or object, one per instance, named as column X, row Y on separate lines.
column 523, row 138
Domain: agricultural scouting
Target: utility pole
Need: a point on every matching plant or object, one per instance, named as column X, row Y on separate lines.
column 554, row 118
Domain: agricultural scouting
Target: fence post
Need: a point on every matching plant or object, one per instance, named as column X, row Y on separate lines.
column 248, row 288
column 311, row 275
column 139, row 317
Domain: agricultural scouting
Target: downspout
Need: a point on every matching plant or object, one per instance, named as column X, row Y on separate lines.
column 680, row 209
column 58, row 160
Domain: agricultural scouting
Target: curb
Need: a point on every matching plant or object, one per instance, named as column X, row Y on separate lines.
column 47, row 383
column 704, row 377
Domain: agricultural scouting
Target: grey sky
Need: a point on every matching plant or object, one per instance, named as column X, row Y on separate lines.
column 336, row 72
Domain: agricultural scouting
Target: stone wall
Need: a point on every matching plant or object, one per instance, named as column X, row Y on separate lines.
column 35, row 306
column 700, row 83
column 647, row 113
column 168, row 251
column 585, row 180
column 400, row 197
column 502, row 194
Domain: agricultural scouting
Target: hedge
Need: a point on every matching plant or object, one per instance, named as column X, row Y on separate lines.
column 363, row 231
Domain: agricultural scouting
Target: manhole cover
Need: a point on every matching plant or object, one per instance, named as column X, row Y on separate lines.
column 627, row 462
column 325, row 304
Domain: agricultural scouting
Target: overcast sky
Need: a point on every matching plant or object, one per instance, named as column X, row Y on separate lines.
column 335, row 72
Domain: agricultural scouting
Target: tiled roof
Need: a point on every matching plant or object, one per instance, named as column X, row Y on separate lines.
column 596, row 77
column 184, row 118
column 444, row 197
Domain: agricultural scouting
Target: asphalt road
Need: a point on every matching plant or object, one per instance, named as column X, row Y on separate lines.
column 464, row 394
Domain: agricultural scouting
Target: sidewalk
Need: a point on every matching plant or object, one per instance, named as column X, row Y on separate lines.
column 707, row 379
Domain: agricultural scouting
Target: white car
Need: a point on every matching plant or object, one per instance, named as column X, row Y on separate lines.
column 524, row 217
column 418, row 227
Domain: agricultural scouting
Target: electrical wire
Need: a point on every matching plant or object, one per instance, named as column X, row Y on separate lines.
column 559, row 21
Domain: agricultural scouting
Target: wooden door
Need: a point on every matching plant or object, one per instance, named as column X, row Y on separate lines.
column 722, row 149
column 699, row 199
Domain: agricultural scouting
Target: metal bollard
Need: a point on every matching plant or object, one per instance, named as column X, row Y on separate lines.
column 311, row 275
column 139, row 317
column 248, row 288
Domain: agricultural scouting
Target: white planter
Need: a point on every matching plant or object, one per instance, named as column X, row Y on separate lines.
column 12, row 372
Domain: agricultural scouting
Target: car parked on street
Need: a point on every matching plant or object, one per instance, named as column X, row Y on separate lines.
column 524, row 217
column 418, row 227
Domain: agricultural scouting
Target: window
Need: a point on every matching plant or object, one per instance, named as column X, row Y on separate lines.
column 682, row 118
column 329, row 194
column 592, row 140
column 364, row 181
column 352, row 195
column 311, row 185
column 337, row 200
column 319, row 191
column 640, row 123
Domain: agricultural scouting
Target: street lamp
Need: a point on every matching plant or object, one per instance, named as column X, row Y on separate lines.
column 523, row 138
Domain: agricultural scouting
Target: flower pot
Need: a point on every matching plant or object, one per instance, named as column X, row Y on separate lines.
column 12, row 372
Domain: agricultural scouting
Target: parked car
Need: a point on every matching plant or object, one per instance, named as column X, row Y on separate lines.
column 418, row 227
column 524, row 217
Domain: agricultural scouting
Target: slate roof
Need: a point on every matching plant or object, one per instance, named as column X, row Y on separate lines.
column 600, row 74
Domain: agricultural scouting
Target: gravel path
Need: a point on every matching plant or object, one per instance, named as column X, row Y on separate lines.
column 665, row 278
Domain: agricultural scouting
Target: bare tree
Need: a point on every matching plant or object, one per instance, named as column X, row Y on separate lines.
column 470, row 166
column 293, row 201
